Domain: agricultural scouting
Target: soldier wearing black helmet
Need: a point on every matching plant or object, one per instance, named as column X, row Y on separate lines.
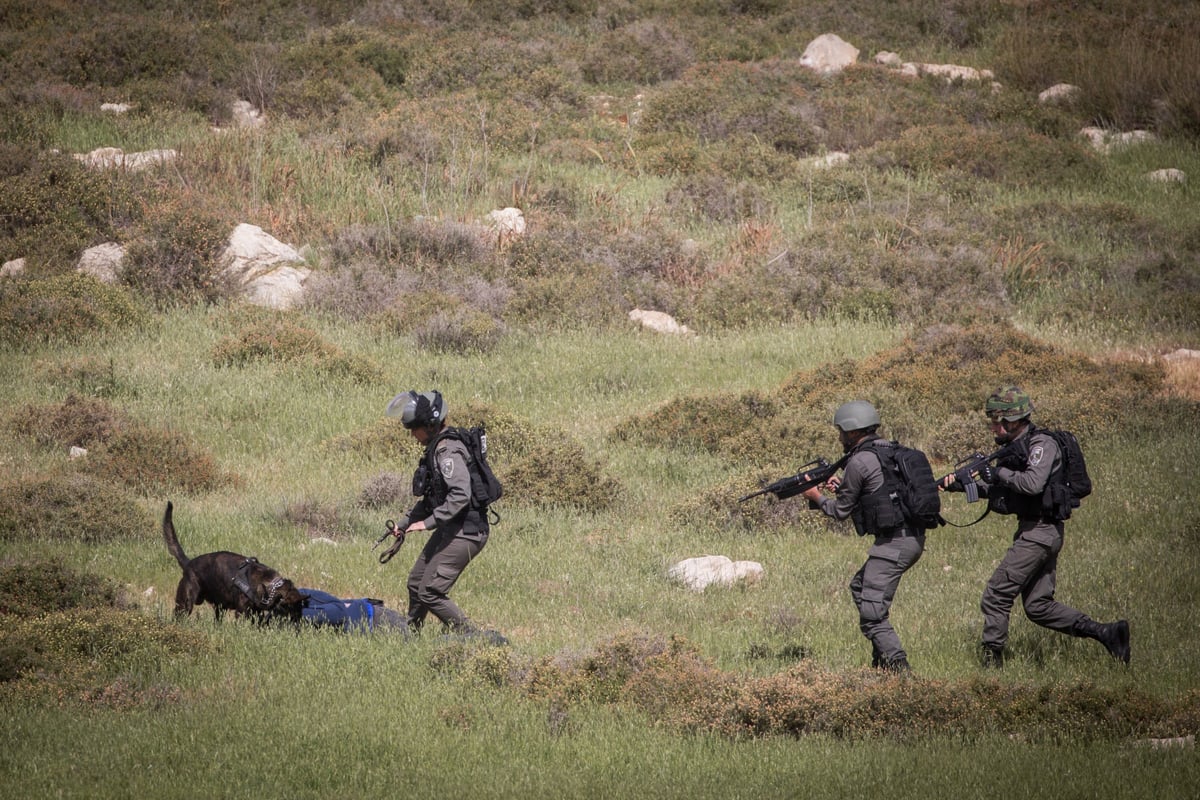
column 861, row 495
column 1015, row 486
column 459, row 531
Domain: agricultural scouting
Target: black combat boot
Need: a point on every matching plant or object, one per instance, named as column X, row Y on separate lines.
column 992, row 657
column 1113, row 635
column 898, row 665
column 876, row 658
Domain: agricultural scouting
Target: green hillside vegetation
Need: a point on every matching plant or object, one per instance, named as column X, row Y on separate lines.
column 664, row 156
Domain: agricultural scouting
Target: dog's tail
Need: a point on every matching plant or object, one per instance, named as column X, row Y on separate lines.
column 172, row 541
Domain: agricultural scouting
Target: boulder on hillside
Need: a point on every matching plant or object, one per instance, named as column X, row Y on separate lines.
column 829, row 53
column 1060, row 93
column 505, row 224
column 1169, row 175
column 102, row 262
column 116, row 158
column 11, row 269
column 657, row 321
column 1106, row 141
column 264, row 268
column 701, row 572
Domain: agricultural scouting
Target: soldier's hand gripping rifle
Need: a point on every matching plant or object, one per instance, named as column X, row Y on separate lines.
column 965, row 470
column 811, row 474
column 386, row 555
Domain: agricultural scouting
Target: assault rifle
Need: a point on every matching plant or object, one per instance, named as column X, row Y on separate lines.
column 814, row 473
column 964, row 469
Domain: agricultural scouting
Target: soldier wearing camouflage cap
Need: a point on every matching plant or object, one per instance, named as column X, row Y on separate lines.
column 1016, row 486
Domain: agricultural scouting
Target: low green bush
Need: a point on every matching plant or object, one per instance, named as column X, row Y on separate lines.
column 279, row 341
column 29, row 588
column 93, row 657
column 71, row 507
column 66, row 309
column 52, row 207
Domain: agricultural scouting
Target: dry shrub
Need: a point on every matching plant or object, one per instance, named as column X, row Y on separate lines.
column 717, row 507
column 643, row 52
column 319, row 519
column 714, row 102
column 929, row 392
column 76, row 422
column 386, row 439
column 670, row 681
column 384, row 490
column 28, row 588
column 1015, row 157
column 63, row 310
column 156, row 462
column 71, row 507
column 178, row 259
column 280, row 341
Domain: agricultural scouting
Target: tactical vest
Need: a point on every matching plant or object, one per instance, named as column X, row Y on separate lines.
column 437, row 490
column 1004, row 500
column 879, row 512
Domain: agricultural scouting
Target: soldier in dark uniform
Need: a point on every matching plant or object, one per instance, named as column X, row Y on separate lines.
column 1016, row 486
column 862, row 495
column 459, row 530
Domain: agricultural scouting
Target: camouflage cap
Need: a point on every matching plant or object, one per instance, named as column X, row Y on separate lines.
column 1008, row 403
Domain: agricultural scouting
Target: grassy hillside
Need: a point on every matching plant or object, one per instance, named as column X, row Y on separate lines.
column 663, row 155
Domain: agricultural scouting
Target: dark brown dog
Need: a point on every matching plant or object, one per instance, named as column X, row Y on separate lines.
column 231, row 581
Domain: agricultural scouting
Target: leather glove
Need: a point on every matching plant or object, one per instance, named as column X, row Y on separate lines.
column 987, row 474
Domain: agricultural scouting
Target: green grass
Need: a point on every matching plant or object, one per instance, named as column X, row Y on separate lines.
column 796, row 281
column 305, row 715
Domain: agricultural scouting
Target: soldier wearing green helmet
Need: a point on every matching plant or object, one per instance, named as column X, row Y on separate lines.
column 1016, row 486
column 862, row 495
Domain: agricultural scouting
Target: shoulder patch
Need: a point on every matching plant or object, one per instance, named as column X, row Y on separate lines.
column 447, row 467
column 1035, row 455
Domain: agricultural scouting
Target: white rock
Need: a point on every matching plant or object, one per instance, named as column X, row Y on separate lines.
column 102, row 262
column 826, row 161
column 116, row 158
column 76, row 452
column 12, row 269
column 1059, row 93
column 115, row 108
column 703, row 571
column 1107, row 141
column 1167, row 176
column 281, row 288
column 657, row 321
column 829, row 53
column 245, row 115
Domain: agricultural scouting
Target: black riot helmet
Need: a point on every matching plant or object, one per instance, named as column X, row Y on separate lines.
column 418, row 410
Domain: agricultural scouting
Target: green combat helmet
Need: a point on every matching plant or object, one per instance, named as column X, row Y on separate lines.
column 855, row 416
column 1008, row 403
